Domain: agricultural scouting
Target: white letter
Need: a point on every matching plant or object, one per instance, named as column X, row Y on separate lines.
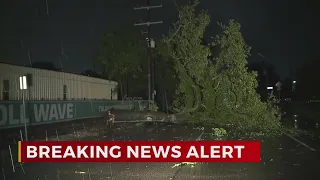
column 69, row 152
column 12, row 119
column 53, row 112
column 69, row 111
column 92, row 151
column 213, row 151
column 82, row 151
column 135, row 152
column 239, row 150
column 193, row 152
column 62, row 111
column 31, row 151
column 160, row 151
column 144, row 151
column 23, row 116
column 55, row 150
column 44, row 151
column 112, row 153
column 202, row 152
column 100, row 151
column 176, row 152
column 42, row 113
column 3, row 112
column 227, row 150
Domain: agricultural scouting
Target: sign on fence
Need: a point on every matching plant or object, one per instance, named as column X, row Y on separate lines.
column 42, row 112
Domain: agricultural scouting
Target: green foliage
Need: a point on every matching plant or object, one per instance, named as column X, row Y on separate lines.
column 196, row 121
column 153, row 107
column 122, row 52
column 219, row 132
column 123, row 56
column 189, row 57
column 224, row 91
column 141, row 106
column 236, row 99
column 191, row 164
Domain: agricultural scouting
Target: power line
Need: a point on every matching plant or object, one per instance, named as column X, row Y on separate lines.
column 148, row 23
column 147, row 7
column 30, row 60
column 150, row 61
column 47, row 6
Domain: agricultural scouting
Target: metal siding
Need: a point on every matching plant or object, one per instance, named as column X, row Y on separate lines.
column 48, row 87
column 35, row 86
column 51, row 88
column 2, row 69
column 49, row 84
column 90, row 90
column 1, row 85
column 56, row 89
column 59, row 87
column 41, row 86
column 15, row 86
column 85, row 87
column 82, row 90
column 74, row 89
column 79, row 87
column 44, row 85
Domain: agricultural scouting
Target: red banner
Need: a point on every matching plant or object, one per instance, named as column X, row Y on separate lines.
column 139, row 151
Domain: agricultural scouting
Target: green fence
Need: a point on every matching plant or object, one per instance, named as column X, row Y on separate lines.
column 43, row 112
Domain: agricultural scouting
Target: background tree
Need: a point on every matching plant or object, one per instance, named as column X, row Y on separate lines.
column 267, row 76
column 307, row 88
column 123, row 59
column 91, row 73
column 287, row 89
column 165, row 79
column 44, row 65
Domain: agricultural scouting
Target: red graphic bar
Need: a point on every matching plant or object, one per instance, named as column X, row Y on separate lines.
column 139, row 151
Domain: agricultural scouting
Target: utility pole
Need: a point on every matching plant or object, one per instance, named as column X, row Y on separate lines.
column 150, row 61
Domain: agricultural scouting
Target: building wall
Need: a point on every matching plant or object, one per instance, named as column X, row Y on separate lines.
column 49, row 85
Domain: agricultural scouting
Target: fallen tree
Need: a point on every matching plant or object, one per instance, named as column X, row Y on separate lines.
column 216, row 87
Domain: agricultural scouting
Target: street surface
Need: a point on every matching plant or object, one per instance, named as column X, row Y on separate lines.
column 282, row 158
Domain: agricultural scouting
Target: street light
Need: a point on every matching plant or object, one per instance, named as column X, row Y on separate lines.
column 152, row 46
column 23, row 86
column 294, row 85
column 152, row 43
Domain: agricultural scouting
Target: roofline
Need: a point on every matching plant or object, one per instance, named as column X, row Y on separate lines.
column 56, row 71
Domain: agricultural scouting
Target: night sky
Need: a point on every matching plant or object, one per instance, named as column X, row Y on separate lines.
column 284, row 31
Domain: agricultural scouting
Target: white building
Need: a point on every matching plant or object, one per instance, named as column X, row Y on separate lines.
column 52, row 85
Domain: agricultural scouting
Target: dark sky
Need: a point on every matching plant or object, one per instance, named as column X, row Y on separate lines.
column 284, row 31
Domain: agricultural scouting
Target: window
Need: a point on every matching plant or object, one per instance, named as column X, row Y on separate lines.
column 111, row 94
column 5, row 89
column 29, row 79
column 64, row 92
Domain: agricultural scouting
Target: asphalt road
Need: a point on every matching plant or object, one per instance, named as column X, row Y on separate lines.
column 281, row 158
